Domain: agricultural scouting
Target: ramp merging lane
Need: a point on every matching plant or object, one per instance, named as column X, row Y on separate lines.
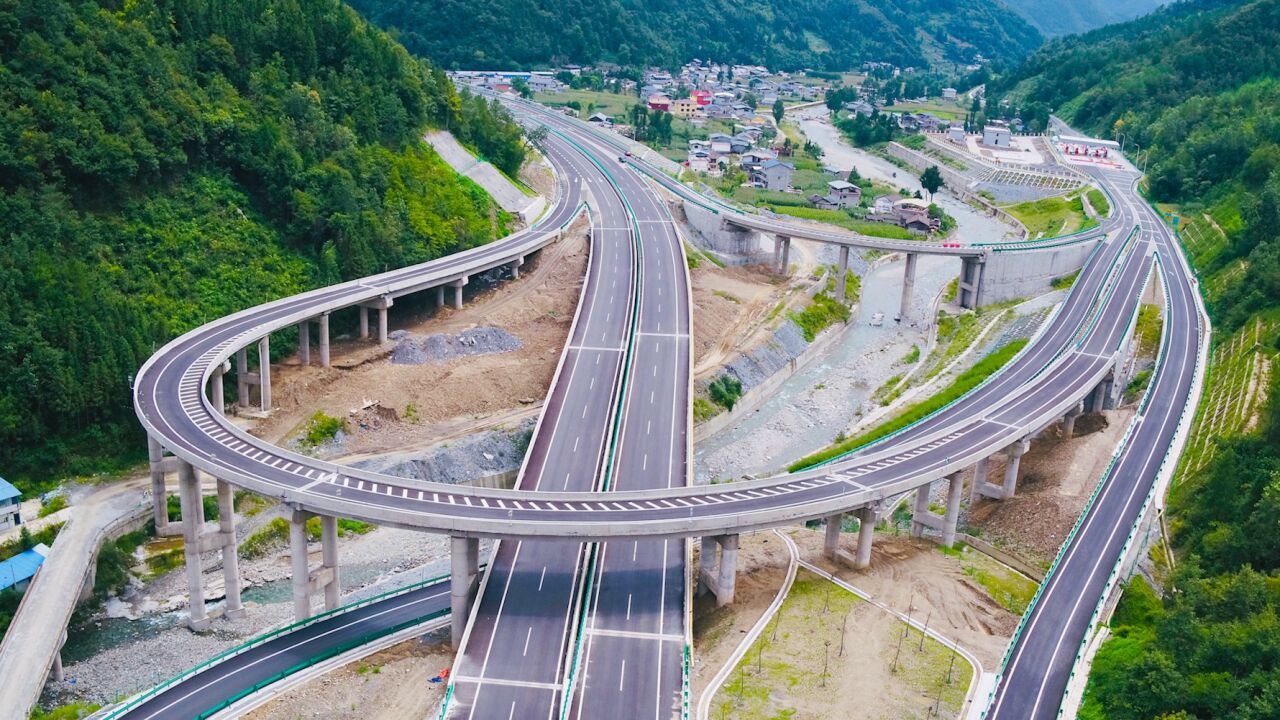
column 536, row 586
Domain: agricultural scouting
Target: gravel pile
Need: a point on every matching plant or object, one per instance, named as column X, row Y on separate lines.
column 440, row 347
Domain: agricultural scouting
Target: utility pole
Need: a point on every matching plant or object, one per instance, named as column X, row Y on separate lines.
column 927, row 618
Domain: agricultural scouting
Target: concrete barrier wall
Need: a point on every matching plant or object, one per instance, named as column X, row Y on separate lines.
column 1013, row 561
column 1020, row 274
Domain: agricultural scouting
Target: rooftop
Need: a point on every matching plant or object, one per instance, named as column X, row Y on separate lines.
column 23, row 566
column 7, row 490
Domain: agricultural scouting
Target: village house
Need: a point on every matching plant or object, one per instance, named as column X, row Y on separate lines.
column 721, row 143
column 659, row 101
column 544, row 83
column 600, row 118
column 754, row 158
column 685, row 107
column 10, row 505
column 955, row 134
column 996, row 135
column 773, row 175
column 860, row 107
column 840, row 195
column 699, row 160
column 948, row 93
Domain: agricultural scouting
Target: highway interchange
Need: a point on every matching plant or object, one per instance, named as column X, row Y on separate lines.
column 633, row 322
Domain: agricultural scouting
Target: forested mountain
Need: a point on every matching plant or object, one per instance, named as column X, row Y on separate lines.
column 785, row 34
column 1054, row 17
column 1195, row 84
column 165, row 162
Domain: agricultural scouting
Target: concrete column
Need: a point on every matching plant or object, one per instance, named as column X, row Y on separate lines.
column 439, row 296
column 922, row 509
column 216, row 389
column 1015, row 453
column 866, row 532
column 189, row 497
column 159, row 498
column 264, row 372
column 242, row 377
column 728, row 569
column 329, row 552
column 1099, row 397
column 952, row 517
column 382, row 324
column 979, row 479
column 908, row 285
column 301, row 567
column 230, row 553
column 785, row 264
column 304, row 342
column 462, row 553
column 56, row 670
column 841, row 273
column 364, row 323
column 706, row 563
column 324, row 339
column 457, row 292
column 515, row 268
column 1069, row 421
column 777, row 251
column 831, row 542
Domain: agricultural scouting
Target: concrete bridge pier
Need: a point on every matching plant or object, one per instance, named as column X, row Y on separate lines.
column 230, row 552
column 969, row 290
column 382, row 305
column 217, row 391
column 464, row 555
column 304, row 343
column 325, row 577
column 515, row 267
column 159, row 494
column 866, row 533
column 323, row 321
column 192, row 530
column 782, row 253
column 842, row 273
column 908, row 285
column 439, row 296
column 979, row 486
column 364, row 322
column 720, row 575
column 1069, row 420
column 262, row 378
column 946, row 523
column 1015, row 453
column 457, row 286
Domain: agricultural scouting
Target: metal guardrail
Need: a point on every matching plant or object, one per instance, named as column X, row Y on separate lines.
column 118, row 711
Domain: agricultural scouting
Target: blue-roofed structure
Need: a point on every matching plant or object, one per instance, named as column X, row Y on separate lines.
column 18, row 570
column 10, row 505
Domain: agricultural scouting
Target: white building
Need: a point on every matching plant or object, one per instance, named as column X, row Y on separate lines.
column 997, row 136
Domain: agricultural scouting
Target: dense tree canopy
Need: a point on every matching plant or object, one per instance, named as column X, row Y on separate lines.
column 166, row 161
column 831, row 34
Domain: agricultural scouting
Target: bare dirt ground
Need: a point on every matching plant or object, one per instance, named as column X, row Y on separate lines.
column 913, row 576
column 389, row 685
column 1057, row 477
column 418, row 404
column 733, row 305
column 762, row 566
column 904, row 574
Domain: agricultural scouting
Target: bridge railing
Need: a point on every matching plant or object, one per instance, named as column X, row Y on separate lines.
column 118, row 711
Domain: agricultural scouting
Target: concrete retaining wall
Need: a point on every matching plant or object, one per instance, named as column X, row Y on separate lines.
column 713, row 235
column 1013, row 561
column 1019, row 274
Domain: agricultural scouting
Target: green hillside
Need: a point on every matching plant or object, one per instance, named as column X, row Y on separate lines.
column 165, row 162
column 824, row 34
column 1195, row 85
column 1054, row 18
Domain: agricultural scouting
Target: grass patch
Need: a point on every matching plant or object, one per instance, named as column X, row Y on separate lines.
column 1012, row 591
column 1099, row 202
column 56, row 503
column 913, row 356
column 967, row 381
column 320, row 428
column 842, row 219
column 704, row 410
column 1148, row 328
column 728, row 296
column 1052, row 216
column 953, row 287
column 71, row 711
column 915, row 142
column 821, row 313
column 1065, row 281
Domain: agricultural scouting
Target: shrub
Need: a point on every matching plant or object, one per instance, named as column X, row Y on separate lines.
column 321, row 428
column 725, row 391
